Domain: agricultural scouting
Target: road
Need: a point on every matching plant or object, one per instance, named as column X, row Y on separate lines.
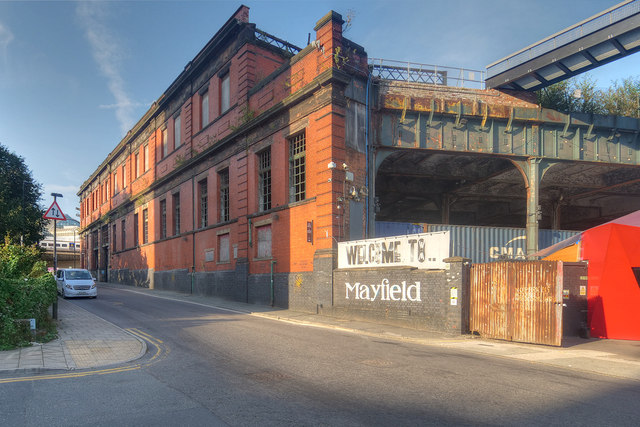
column 208, row 366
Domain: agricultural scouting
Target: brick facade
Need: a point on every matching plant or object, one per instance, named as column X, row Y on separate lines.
column 154, row 213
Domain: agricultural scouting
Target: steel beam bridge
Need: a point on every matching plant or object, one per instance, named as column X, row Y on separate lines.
column 603, row 38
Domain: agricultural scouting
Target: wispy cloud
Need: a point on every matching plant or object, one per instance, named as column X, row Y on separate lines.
column 107, row 51
column 124, row 105
column 6, row 37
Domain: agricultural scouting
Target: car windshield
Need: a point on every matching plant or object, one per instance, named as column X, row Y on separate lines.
column 78, row 275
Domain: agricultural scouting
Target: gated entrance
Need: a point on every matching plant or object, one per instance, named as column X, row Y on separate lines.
column 521, row 301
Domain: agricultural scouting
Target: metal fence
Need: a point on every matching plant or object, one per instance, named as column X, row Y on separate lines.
column 275, row 41
column 425, row 73
column 517, row 301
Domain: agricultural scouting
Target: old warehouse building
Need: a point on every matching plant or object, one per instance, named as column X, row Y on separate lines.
column 242, row 177
column 236, row 173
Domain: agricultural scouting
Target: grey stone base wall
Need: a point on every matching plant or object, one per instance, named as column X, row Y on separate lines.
column 296, row 291
column 436, row 300
column 173, row 280
column 136, row 278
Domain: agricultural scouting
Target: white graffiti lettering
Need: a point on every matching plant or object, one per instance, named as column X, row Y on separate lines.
column 383, row 291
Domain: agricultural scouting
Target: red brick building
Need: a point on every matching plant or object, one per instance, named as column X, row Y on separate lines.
column 239, row 180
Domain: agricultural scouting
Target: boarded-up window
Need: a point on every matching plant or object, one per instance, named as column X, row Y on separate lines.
column 223, row 242
column 355, row 126
column 264, row 241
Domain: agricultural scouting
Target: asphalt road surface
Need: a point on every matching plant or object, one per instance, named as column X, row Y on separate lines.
column 208, row 366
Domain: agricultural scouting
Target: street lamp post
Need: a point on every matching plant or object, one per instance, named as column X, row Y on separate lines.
column 55, row 244
column 55, row 254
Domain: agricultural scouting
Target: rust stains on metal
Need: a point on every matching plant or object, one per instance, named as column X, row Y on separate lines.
column 518, row 301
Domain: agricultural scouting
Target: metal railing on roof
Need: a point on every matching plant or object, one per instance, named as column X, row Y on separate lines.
column 425, row 73
column 564, row 37
column 279, row 43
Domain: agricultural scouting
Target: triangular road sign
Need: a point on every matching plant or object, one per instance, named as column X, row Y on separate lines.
column 54, row 212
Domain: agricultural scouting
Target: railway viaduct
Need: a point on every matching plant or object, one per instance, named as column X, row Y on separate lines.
column 443, row 153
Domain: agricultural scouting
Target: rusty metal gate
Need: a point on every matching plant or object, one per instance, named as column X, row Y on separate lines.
column 518, row 301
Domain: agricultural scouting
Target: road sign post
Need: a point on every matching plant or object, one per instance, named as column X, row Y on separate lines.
column 55, row 213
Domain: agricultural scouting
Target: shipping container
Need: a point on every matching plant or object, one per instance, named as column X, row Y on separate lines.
column 480, row 244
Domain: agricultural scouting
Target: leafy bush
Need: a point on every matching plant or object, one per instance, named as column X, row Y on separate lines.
column 24, row 299
column 19, row 261
column 26, row 291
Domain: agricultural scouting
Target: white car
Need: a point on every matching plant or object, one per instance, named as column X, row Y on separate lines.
column 76, row 282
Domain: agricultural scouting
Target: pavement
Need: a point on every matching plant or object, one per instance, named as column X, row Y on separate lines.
column 88, row 341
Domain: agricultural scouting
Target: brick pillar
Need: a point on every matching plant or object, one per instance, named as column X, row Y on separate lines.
column 188, row 127
column 457, row 310
column 329, row 35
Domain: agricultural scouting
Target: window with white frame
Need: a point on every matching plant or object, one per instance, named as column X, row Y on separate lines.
column 204, row 204
column 176, row 214
column 165, row 144
column 297, row 168
column 163, row 218
column 177, row 132
column 136, row 240
column 264, row 180
column 114, row 239
column 123, row 232
column 223, row 178
column 146, row 157
column 225, row 96
column 204, row 109
column 145, row 226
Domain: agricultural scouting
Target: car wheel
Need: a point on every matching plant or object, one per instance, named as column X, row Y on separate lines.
column 64, row 294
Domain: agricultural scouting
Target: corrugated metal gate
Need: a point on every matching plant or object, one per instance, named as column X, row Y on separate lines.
column 518, row 301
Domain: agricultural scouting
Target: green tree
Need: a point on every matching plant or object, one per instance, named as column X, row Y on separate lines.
column 557, row 96
column 20, row 214
column 587, row 97
column 623, row 99
column 582, row 95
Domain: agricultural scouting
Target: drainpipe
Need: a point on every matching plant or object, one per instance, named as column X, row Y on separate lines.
column 366, row 139
column 273, row 262
column 193, row 238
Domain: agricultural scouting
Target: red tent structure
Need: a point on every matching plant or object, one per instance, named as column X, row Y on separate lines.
column 613, row 252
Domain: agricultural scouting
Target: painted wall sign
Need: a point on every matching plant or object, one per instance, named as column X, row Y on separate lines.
column 425, row 251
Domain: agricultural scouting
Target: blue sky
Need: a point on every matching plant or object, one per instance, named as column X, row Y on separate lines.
column 76, row 76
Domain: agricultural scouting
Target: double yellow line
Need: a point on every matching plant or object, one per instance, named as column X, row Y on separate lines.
column 157, row 343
